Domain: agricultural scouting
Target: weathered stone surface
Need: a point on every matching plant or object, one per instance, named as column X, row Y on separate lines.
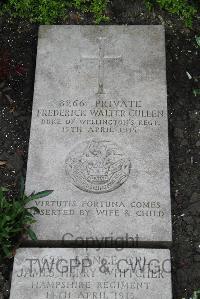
column 78, row 273
column 99, row 135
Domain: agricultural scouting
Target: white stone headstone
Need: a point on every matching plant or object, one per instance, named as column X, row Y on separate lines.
column 75, row 273
column 99, row 134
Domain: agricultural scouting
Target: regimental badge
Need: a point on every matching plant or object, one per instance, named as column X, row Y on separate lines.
column 97, row 166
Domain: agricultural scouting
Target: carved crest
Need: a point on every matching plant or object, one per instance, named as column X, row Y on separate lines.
column 97, row 166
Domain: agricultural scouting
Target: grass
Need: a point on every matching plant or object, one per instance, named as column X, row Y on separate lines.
column 53, row 11
column 182, row 8
column 58, row 11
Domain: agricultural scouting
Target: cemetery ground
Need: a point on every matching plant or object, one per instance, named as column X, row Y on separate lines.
column 18, row 45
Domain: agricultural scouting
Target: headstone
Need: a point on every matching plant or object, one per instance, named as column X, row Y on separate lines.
column 99, row 134
column 78, row 273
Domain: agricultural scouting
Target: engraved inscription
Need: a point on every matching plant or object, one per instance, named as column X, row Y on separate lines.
column 97, row 166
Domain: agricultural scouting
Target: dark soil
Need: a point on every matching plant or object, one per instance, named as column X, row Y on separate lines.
column 18, row 42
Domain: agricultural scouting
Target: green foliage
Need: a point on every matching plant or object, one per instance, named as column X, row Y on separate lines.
column 182, row 8
column 198, row 40
column 15, row 219
column 55, row 11
column 196, row 91
column 96, row 7
column 40, row 11
column 196, row 295
column 52, row 11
